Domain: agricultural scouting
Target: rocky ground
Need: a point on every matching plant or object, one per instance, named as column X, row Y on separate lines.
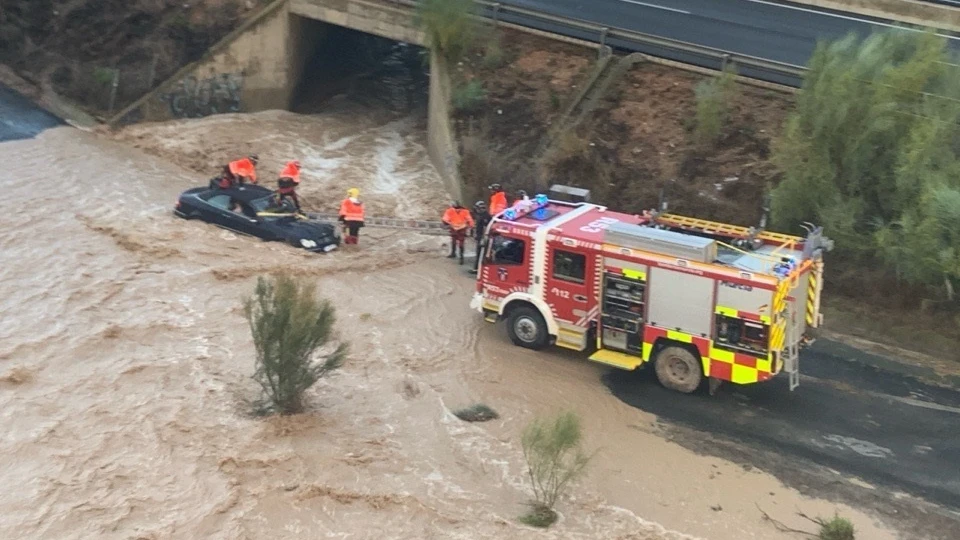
column 71, row 45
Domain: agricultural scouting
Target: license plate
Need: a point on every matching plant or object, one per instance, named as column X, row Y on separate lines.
column 329, row 248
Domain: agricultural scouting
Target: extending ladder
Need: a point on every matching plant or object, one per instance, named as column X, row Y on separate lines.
column 791, row 350
column 424, row 226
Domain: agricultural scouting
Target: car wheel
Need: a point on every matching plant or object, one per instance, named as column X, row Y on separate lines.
column 527, row 328
column 678, row 369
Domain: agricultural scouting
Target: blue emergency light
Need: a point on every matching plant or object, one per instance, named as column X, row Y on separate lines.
column 516, row 211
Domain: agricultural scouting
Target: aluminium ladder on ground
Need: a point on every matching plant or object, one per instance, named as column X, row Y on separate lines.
column 424, row 226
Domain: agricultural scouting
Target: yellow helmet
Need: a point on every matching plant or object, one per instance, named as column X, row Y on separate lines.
column 353, row 192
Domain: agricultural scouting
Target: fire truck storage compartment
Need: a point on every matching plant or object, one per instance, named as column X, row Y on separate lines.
column 680, row 301
column 684, row 246
column 622, row 312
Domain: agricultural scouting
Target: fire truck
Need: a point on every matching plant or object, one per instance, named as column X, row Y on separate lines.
column 699, row 300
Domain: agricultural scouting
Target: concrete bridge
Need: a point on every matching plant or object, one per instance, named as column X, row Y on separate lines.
column 260, row 65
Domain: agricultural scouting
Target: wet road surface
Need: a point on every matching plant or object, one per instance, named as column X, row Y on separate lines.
column 885, row 429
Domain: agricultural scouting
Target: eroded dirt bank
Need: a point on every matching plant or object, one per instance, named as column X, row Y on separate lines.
column 125, row 365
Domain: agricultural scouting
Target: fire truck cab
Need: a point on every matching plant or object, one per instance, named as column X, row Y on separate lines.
column 698, row 299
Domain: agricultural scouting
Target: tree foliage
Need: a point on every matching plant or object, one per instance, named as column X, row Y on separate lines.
column 555, row 459
column 871, row 153
column 714, row 97
column 289, row 324
column 449, row 26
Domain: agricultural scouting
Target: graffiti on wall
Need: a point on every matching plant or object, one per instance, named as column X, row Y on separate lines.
column 193, row 98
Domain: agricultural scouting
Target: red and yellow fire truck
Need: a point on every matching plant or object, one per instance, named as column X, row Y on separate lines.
column 699, row 299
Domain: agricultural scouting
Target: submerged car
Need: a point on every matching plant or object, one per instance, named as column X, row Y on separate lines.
column 251, row 209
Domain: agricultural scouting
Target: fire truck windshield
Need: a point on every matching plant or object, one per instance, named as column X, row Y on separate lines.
column 506, row 250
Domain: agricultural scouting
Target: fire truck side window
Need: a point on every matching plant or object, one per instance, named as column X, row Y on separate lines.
column 569, row 266
column 507, row 251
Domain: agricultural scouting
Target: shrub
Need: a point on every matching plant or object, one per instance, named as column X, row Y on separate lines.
column 554, row 459
column 837, row 528
column 289, row 324
column 468, row 97
column 871, row 154
column 714, row 97
column 476, row 413
column 449, row 25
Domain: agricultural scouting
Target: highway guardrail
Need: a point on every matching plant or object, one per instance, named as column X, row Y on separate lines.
column 633, row 41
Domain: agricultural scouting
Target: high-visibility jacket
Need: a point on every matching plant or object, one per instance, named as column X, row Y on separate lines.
column 458, row 218
column 244, row 167
column 498, row 203
column 351, row 210
column 291, row 171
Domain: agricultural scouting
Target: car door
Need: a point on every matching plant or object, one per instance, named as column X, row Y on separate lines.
column 219, row 213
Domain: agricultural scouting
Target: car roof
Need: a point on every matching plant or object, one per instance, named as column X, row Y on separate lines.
column 244, row 193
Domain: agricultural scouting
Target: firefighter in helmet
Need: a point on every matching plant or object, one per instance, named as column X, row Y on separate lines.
column 498, row 199
column 481, row 218
column 351, row 215
column 459, row 220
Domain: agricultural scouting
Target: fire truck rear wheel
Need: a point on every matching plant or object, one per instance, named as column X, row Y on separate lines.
column 527, row 328
column 678, row 369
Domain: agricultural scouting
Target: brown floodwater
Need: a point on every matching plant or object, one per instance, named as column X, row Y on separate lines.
column 125, row 364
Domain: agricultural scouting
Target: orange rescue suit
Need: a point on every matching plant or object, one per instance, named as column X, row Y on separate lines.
column 245, row 168
column 292, row 172
column 498, row 203
column 351, row 211
column 458, row 218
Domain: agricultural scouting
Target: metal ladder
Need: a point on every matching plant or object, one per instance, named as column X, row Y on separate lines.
column 791, row 350
column 424, row 226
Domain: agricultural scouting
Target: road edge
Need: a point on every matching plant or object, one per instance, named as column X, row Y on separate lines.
column 48, row 100
column 906, row 11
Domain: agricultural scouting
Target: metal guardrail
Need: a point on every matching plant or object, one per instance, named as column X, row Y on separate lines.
column 631, row 40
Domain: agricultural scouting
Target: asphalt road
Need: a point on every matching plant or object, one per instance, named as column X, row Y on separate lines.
column 776, row 31
column 20, row 118
column 847, row 417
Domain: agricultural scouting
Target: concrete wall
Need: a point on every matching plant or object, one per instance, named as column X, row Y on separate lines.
column 441, row 137
column 383, row 20
column 255, row 67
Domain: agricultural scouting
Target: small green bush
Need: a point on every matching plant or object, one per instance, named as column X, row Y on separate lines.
column 476, row 413
column 289, row 324
column 837, row 528
column 552, row 449
column 449, row 26
column 469, row 97
column 714, row 97
column 539, row 516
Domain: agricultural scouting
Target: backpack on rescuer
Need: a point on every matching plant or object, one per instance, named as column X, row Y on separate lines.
column 698, row 299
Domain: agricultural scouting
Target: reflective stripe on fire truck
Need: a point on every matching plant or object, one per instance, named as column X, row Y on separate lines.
column 538, row 268
column 737, row 314
column 718, row 363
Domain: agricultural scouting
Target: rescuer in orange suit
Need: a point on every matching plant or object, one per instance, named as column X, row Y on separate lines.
column 288, row 182
column 498, row 200
column 459, row 220
column 351, row 215
column 240, row 171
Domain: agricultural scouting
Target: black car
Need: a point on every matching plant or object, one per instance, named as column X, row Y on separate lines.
column 251, row 209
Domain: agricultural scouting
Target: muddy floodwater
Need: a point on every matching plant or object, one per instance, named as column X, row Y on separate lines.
column 125, row 365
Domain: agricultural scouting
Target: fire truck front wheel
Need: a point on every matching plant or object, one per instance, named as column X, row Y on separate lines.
column 678, row 369
column 527, row 328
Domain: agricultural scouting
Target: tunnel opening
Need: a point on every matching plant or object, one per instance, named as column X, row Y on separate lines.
column 374, row 71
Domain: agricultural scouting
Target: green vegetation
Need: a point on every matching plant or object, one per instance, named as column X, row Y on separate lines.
column 449, row 25
column 837, row 528
column 871, row 153
column 714, row 97
column 468, row 97
column 289, row 324
column 555, row 459
column 476, row 413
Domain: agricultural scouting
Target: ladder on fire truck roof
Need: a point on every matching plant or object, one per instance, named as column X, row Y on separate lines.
column 724, row 229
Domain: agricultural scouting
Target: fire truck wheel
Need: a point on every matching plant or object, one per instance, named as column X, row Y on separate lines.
column 678, row 369
column 527, row 328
